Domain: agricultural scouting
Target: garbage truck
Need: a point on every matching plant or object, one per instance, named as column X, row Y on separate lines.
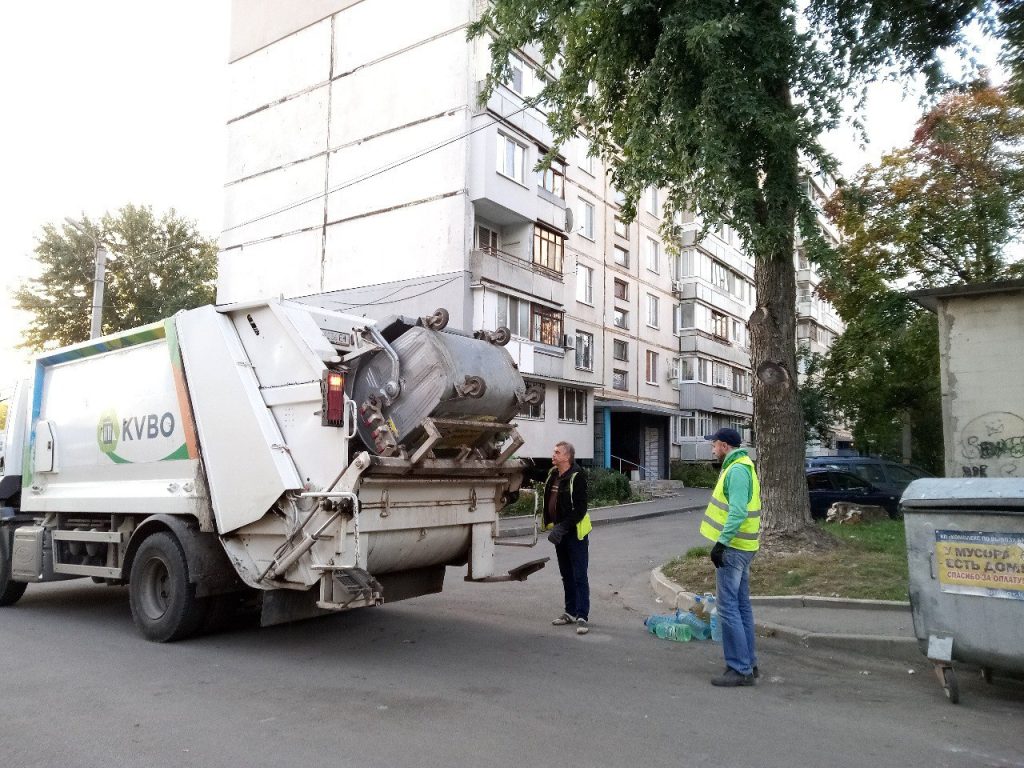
column 307, row 460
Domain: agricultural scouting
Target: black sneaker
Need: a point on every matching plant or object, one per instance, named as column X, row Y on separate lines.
column 732, row 679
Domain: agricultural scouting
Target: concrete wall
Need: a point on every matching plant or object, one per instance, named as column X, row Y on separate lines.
column 982, row 369
column 329, row 181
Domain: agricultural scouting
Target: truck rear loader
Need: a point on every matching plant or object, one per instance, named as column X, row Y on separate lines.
column 312, row 460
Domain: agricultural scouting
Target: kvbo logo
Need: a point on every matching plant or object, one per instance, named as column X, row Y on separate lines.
column 148, row 426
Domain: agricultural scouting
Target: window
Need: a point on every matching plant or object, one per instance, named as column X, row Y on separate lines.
column 621, row 289
column 587, row 219
column 740, row 381
column 721, row 375
column 653, row 255
column 621, row 256
column 487, row 239
column 584, row 351
column 819, row 482
column 688, row 369
column 704, row 423
column 620, row 380
column 553, row 179
column 620, row 350
column 676, row 266
column 688, row 426
column 511, row 158
column 514, row 315
column 651, row 367
column 720, row 325
column 739, row 333
column 620, row 318
column 621, row 228
column 652, row 310
column 586, row 162
column 704, row 374
column 572, row 405
column 515, row 79
column 547, row 326
column 533, row 410
column 652, row 200
column 548, row 248
column 584, row 284
column 618, row 197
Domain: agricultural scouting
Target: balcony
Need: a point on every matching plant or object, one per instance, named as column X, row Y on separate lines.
column 516, row 272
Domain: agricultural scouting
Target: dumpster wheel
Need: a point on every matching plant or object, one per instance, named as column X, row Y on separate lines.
column 950, row 686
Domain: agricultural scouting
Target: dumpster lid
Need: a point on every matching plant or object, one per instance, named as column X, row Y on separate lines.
column 976, row 492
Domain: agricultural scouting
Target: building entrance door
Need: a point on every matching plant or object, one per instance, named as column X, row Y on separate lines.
column 652, row 452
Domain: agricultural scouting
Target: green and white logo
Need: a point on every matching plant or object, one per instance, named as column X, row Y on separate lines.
column 108, row 433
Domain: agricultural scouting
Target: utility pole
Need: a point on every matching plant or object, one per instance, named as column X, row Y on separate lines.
column 99, row 279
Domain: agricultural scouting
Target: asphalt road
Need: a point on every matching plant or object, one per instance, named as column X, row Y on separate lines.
column 476, row 675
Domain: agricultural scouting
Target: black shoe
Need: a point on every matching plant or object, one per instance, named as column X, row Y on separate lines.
column 732, row 679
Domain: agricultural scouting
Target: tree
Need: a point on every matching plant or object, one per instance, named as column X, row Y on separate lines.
column 938, row 212
column 157, row 266
column 942, row 210
column 718, row 102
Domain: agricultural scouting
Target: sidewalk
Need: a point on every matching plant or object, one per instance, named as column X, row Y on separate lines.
column 878, row 628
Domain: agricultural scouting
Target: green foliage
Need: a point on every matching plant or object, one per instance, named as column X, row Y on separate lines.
column 524, row 505
column 942, row 210
column 156, row 266
column 607, row 485
column 3, row 415
column 695, row 474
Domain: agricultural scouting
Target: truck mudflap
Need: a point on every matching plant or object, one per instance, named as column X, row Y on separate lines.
column 519, row 573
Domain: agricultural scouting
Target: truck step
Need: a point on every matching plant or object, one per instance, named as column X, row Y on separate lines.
column 342, row 588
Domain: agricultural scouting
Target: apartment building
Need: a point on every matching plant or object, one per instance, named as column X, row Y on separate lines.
column 817, row 322
column 363, row 175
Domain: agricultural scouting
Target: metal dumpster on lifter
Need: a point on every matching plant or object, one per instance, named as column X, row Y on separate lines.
column 965, row 552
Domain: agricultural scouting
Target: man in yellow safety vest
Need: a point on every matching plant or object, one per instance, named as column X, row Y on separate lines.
column 732, row 521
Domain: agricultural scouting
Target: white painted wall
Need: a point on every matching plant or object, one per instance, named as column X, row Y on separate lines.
column 983, row 384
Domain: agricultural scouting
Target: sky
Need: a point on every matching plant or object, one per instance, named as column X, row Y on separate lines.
column 111, row 102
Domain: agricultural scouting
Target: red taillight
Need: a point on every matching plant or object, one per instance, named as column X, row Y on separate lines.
column 334, row 399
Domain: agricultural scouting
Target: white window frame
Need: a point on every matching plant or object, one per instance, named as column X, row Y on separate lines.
column 584, row 284
column 620, row 318
column 572, row 405
column 584, row 350
column 651, row 367
column 620, row 256
column 622, row 344
column 618, row 373
column 653, row 255
column 652, row 201
column 653, row 310
column 519, row 155
column 534, row 411
column 587, row 219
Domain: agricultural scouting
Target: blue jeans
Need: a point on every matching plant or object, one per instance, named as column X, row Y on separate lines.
column 573, row 560
column 734, row 611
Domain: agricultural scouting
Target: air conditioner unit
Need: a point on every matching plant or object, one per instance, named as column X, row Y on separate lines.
column 569, row 342
column 677, row 287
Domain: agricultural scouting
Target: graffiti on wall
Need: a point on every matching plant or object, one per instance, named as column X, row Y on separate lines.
column 992, row 445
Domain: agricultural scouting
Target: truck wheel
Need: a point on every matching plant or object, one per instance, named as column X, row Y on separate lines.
column 10, row 590
column 164, row 604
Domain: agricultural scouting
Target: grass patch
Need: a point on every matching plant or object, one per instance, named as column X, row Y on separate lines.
column 869, row 562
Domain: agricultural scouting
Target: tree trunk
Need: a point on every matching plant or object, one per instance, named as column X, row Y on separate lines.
column 778, row 418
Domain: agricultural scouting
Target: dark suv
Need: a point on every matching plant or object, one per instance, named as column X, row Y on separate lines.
column 885, row 475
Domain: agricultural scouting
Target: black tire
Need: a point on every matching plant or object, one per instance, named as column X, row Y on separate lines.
column 10, row 590
column 164, row 604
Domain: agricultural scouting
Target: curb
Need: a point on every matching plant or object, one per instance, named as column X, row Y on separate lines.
column 884, row 646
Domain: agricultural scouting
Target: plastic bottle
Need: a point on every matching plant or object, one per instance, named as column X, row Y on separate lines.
column 653, row 621
column 699, row 628
column 681, row 633
column 716, row 624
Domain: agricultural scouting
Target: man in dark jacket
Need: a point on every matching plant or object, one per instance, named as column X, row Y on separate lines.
column 565, row 515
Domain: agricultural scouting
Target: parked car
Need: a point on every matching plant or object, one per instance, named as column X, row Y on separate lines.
column 881, row 473
column 827, row 486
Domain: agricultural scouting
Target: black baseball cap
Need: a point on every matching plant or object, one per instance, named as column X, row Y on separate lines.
column 726, row 435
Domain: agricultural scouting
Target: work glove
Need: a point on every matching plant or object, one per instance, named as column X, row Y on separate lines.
column 556, row 535
column 718, row 554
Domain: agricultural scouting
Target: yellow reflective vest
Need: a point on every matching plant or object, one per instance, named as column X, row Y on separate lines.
column 718, row 510
column 584, row 526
